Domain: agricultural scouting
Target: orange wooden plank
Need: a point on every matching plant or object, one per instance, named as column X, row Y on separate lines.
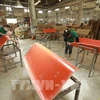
column 43, row 66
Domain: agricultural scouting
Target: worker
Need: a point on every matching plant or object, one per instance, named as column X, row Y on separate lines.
column 69, row 37
column 4, row 29
column 18, row 30
column 81, row 25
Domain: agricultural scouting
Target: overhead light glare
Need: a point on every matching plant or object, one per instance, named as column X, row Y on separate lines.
column 40, row 12
column 57, row 9
column 8, row 9
column 37, row 2
column 26, row 10
column 67, row 7
column 49, row 11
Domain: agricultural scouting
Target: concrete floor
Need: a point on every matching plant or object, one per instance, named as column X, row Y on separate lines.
column 90, row 89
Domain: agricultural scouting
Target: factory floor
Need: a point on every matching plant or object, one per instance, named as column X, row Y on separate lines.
column 90, row 88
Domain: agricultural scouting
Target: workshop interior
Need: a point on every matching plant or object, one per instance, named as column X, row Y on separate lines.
column 49, row 49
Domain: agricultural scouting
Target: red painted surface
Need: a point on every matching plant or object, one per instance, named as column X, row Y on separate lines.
column 88, row 42
column 44, row 66
column 46, row 31
column 3, row 39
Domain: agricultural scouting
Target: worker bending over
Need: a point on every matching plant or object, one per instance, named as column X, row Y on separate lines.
column 69, row 37
column 4, row 29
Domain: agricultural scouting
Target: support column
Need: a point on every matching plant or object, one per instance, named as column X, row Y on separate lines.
column 32, row 14
column 80, row 11
column 56, row 16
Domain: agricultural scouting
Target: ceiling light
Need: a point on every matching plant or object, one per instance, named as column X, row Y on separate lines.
column 18, row 5
column 37, row 2
column 40, row 12
column 8, row 9
column 41, row 19
column 26, row 10
column 72, row 19
column 67, row 7
column 59, row 0
column 57, row 9
column 10, row 6
column 49, row 11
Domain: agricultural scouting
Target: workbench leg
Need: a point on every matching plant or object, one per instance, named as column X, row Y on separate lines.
column 43, row 38
column 36, row 37
column 95, row 60
column 14, row 50
column 54, row 37
column 45, row 43
column 83, row 56
column 77, row 94
column 4, row 64
column 93, row 63
column 20, row 58
column 77, row 56
column 87, row 52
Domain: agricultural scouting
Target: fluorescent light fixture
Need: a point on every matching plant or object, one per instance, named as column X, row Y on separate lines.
column 37, row 2
column 67, row 7
column 41, row 19
column 72, row 19
column 8, row 9
column 5, row 5
column 18, row 7
column 49, row 11
column 40, row 12
column 10, row 6
column 26, row 10
column 57, row 9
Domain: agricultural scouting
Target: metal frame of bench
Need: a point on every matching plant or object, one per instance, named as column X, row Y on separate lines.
column 3, row 40
column 90, row 45
column 46, row 34
column 75, row 86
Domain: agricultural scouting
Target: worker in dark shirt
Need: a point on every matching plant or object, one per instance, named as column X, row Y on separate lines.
column 4, row 29
column 69, row 37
